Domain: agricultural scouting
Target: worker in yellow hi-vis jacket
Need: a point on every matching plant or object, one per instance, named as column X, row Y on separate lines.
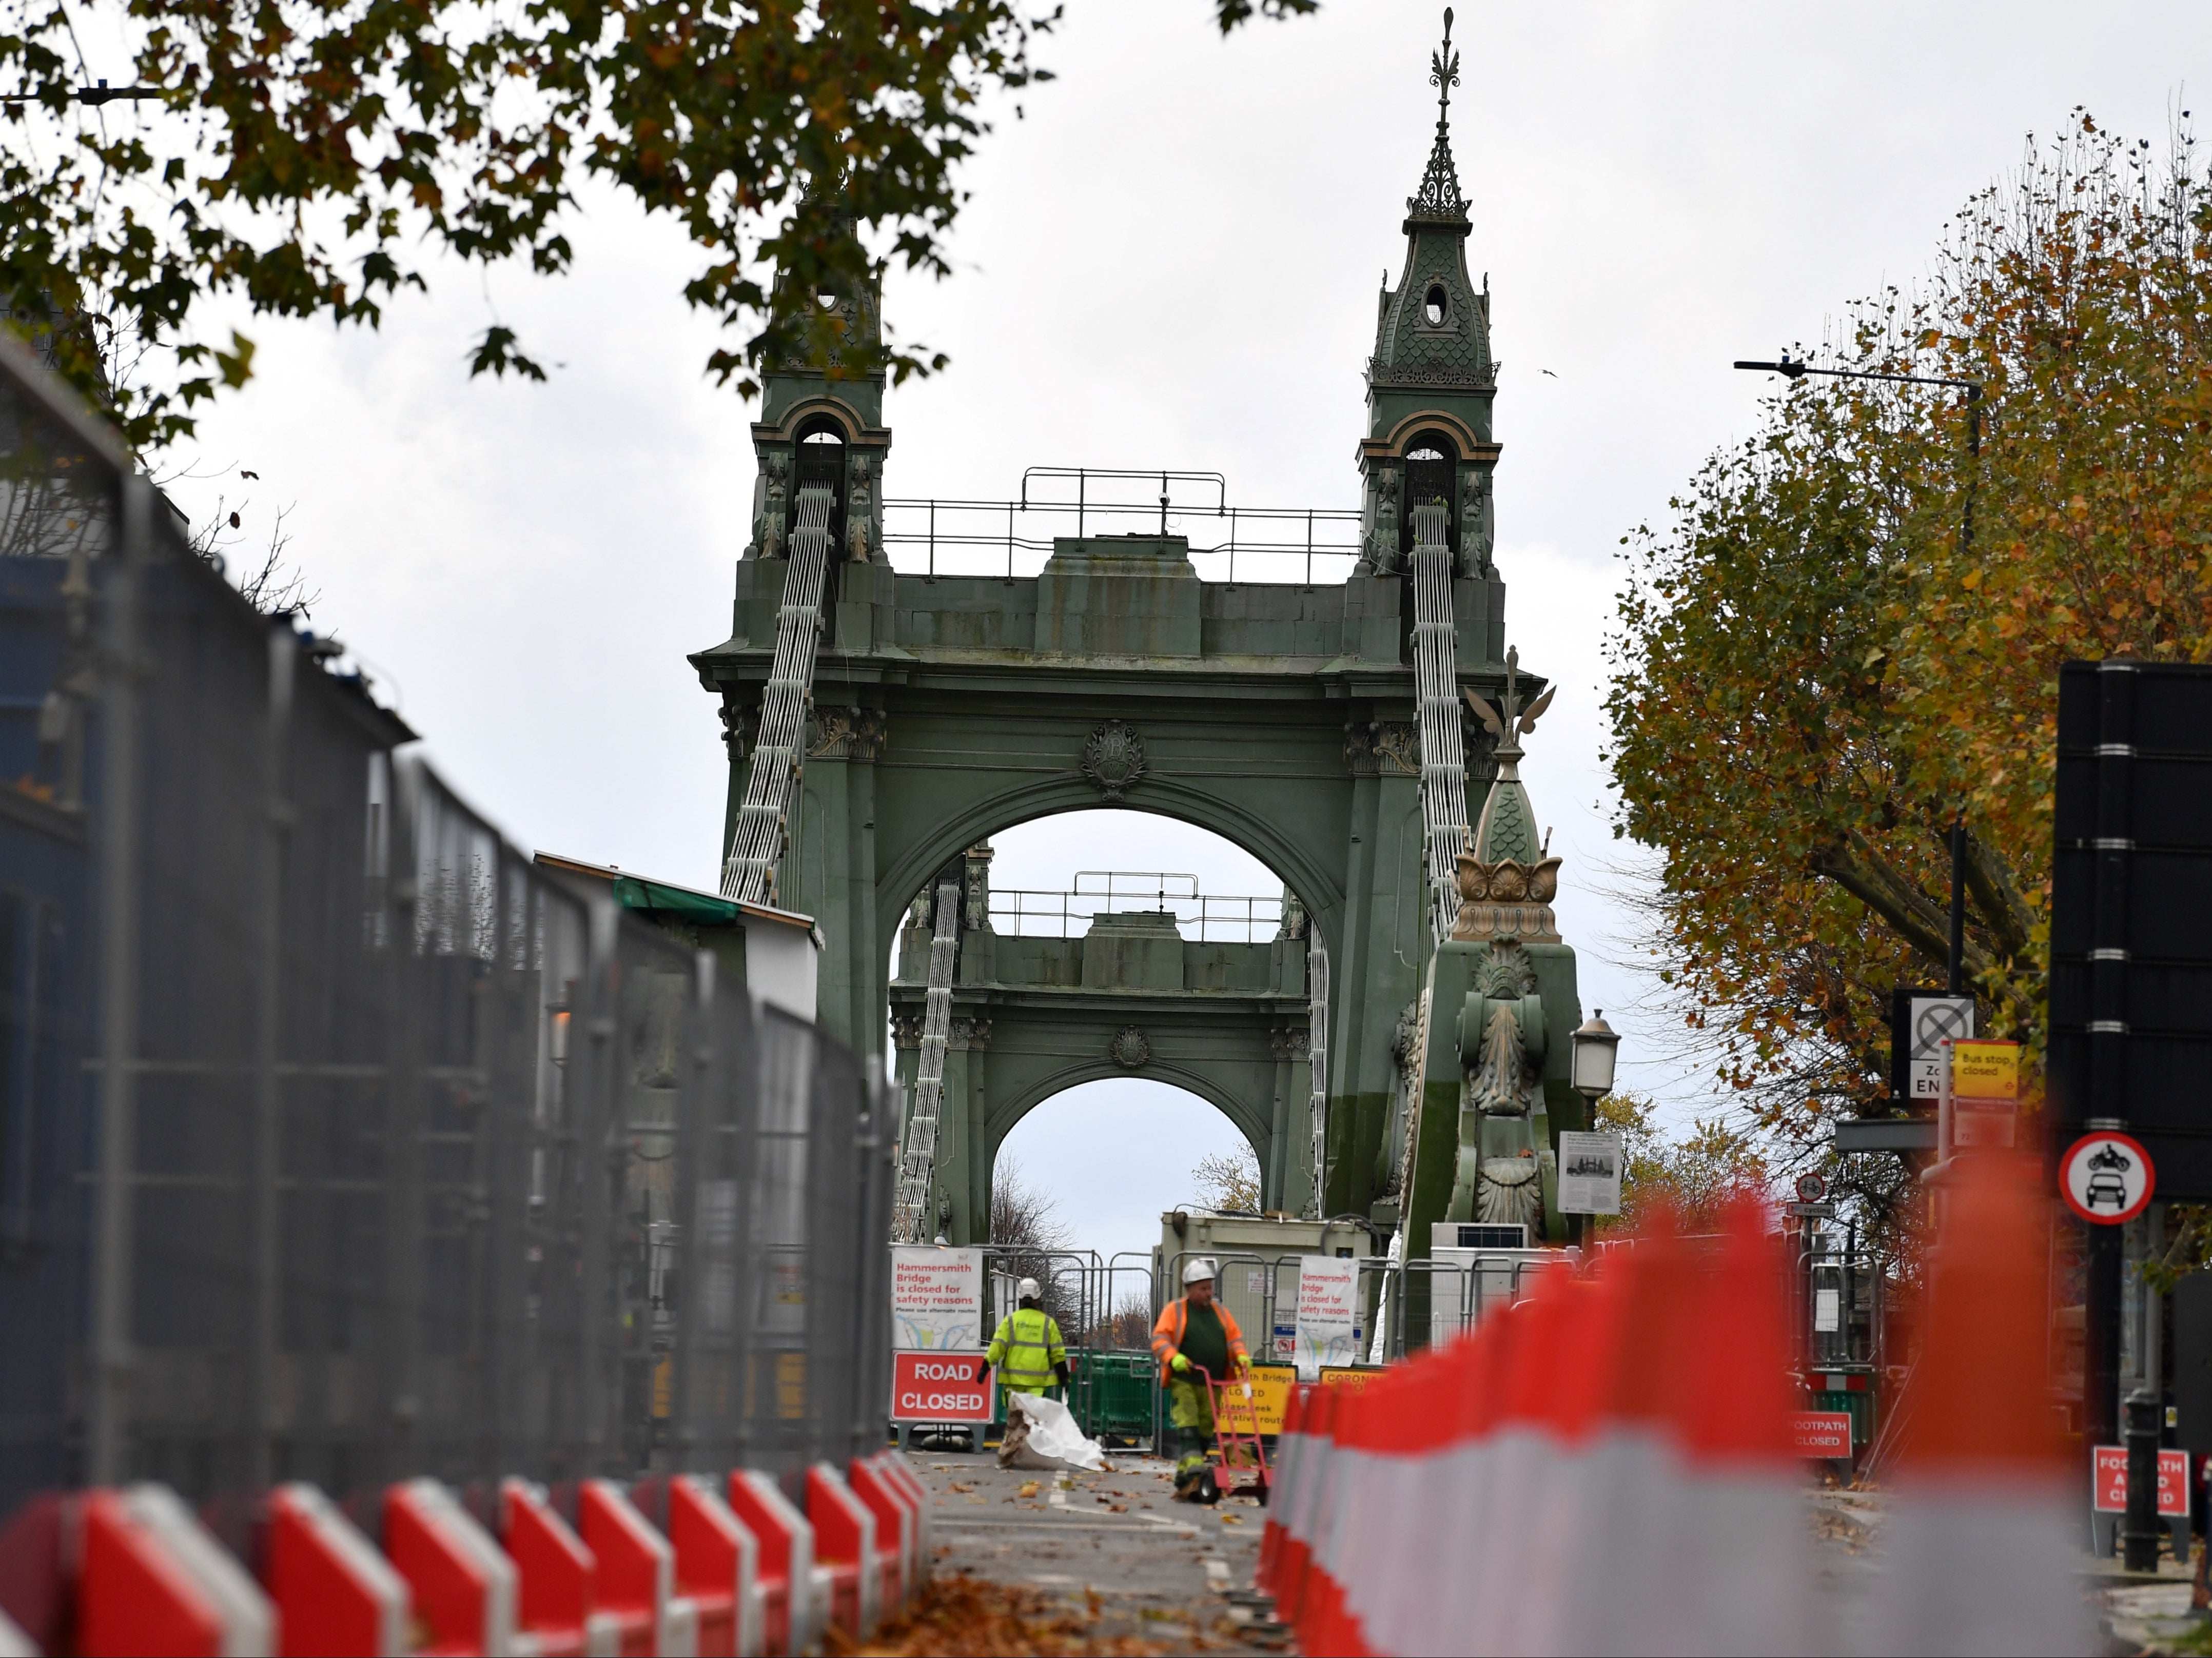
column 1027, row 1349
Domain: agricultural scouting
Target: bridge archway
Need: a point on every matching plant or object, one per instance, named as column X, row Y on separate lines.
column 1056, row 988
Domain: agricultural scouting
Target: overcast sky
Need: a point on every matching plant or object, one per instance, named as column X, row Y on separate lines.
column 1171, row 261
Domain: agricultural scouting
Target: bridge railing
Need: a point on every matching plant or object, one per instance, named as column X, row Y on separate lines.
column 338, row 1141
column 1202, row 918
column 952, row 536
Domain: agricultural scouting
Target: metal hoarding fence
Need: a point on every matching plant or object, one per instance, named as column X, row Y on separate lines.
column 338, row 1141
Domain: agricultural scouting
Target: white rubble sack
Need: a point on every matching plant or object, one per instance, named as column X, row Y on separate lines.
column 1053, row 1440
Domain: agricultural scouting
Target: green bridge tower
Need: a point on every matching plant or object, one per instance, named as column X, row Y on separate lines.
column 1280, row 715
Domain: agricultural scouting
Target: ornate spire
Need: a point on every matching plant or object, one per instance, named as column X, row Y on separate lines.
column 1438, row 199
column 1507, row 876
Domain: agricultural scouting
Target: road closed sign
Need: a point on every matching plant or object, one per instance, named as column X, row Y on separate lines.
column 939, row 1388
column 2106, row 1177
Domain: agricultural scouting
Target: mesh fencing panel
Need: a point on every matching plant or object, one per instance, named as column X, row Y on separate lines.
column 339, row 1141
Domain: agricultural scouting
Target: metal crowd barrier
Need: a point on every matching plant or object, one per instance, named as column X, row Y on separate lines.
column 338, row 1143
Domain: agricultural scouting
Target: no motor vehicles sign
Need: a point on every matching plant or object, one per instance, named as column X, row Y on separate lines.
column 939, row 1388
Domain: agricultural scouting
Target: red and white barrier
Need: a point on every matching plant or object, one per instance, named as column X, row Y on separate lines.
column 462, row 1583
column 1980, row 1528
column 1609, row 1466
column 717, row 1561
column 336, row 1596
column 555, row 1577
column 790, row 1621
column 845, row 1543
column 636, row 1580
column 151, row 1580
column 897, row 1525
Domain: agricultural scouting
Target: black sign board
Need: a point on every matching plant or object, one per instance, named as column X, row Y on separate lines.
column 2132, row 913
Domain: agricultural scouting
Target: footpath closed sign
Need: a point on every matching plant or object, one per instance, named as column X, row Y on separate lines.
column 1271, row 1399
column 2111, row 1482
column 1822, row 1434
column 939, row 1388
column 937, row 1299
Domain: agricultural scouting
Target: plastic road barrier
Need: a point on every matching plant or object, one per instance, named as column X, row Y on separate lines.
column 786, row 1561
column 1641, row 1418
column 464, row 1586
column 152, row 1581
column 892, row 1465
column 636, row 1574
column 845, row 1542
column 336, row 1596
column 557, row 1576
column 717, row 1560
column 895, row 1527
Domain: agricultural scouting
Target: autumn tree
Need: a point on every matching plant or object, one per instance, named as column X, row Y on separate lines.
column 1848, row 634
column 1692, row 1178
column 311, row 159
column 1229, row 1179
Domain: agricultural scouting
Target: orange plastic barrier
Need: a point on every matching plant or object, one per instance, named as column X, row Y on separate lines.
column 786, row 1561
column 151, row 1580
column 1608, row 1465
column 464, row 1586
column 336, row 1596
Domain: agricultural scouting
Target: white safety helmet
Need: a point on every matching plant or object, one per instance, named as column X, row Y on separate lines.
column 1028, row 1290
column 1195, row 1271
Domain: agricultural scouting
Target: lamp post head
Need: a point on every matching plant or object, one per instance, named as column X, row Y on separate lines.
column 1793, row 370
column 1596, row 1045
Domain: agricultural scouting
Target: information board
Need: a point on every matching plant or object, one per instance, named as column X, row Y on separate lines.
column 937, row 1299
column 1589, row 1173
column 1270, row 1400
column 1824, row 1434
column 1327, row 1323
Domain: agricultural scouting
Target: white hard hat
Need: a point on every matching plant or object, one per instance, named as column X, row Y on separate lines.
column 1194, row 1271
column 1028, row 1290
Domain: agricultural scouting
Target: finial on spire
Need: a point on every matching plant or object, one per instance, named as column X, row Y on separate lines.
column 1444, row 70
column 1438, row 200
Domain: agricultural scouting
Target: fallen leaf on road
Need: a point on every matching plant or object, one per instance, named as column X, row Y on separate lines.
column 957, row 1486
column 1232, row 1520
column 1118, row 1508
column 956, row 1614
column 1029, row 1488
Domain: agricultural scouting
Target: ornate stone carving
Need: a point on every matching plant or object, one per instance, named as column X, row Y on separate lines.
column 971, row 1034
column 1294, row 917
column 1502, row 1094
column 1113, row 758
column 976, row 915
column 1382, row 540
column 775, row 469
column 906, row 1032
column 1383, row 747
column 737, row 723
column 1475, row 537
column 860, row 510
column 847, row 733
column 1292, row 1043
column 1130, row 1049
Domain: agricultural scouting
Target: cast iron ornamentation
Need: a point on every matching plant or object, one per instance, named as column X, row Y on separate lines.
column 906, row 1032
column 1130, row 1049
column 1113, row 758
column 1383, row 747
column 974, row 1035
column 1292, row 1043
column 846, row 734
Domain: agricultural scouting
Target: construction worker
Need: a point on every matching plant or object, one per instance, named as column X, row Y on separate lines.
column 1027, row 1349
column 1196, row 1333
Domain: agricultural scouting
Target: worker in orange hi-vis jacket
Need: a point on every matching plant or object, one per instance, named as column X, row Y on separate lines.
column 1196, row 1333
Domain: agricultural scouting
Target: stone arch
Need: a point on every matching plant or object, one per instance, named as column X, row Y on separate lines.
column 1026, row 803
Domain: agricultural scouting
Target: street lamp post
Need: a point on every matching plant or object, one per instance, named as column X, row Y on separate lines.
column 1594, row 1046
column 1954, row 973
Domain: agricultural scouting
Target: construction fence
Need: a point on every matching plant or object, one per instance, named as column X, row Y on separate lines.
column 339, row 1143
